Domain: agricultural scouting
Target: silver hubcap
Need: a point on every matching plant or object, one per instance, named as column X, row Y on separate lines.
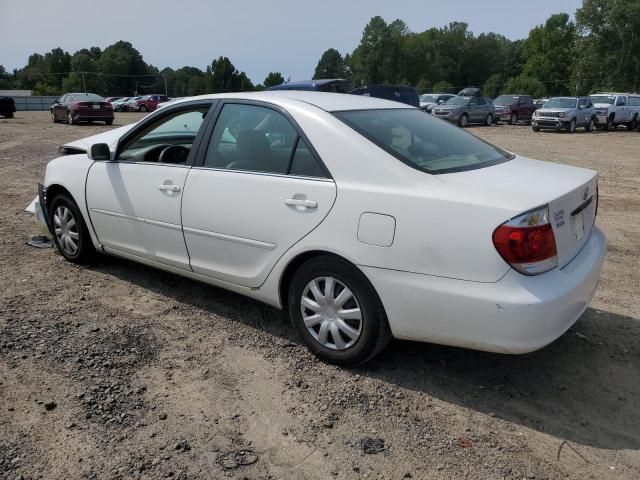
column 331, row 313
column 463, row 121
column 66, row 230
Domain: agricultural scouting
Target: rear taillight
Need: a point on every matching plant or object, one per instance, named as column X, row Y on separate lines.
column 527, row 243
column 83, row 104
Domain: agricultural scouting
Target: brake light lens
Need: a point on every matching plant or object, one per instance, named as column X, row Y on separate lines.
column 527, row 242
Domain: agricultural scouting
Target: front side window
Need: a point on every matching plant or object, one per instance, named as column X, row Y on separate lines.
column 423, row 141
column 621, row 102
column 177, row 130
column 258, row 139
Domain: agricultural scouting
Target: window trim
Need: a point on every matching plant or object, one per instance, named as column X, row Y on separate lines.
column 157, row 116
column 208, row 133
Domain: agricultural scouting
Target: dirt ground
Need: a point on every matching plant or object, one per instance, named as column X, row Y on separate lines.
column 121, row 371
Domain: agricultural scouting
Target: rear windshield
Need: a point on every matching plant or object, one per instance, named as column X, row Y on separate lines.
column 423, row 141
column 92, row 97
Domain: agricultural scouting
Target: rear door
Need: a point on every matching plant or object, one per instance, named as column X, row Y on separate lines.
column 259, row 188
column 134, row 201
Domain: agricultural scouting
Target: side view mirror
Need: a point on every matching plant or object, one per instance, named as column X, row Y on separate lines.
column 100, row 152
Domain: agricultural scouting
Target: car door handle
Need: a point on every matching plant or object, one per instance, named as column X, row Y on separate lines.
column 169, row 188
column 297, row 202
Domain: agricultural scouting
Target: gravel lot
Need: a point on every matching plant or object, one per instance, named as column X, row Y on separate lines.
column 121, row 371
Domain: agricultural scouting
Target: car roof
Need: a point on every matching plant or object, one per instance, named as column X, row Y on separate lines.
column 331, row 102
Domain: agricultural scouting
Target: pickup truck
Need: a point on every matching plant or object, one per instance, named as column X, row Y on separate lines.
column 514, row 108
column 613, row 109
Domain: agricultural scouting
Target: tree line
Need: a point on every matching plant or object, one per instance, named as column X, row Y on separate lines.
column 600, row 50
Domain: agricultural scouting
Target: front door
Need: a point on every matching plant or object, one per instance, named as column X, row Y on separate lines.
column 259, row 189
column 134, row 201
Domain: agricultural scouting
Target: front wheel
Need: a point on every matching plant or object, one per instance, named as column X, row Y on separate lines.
column 143, row 108
column 70, row 231
column 514, row 119
column 589, row 127
column 489, row 120
column 337, row 312
column 535, row 129
column 571, row 128
column 464, row 120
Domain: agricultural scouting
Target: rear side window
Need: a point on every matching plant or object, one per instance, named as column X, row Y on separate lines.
column 423, row 141
column 304, row 164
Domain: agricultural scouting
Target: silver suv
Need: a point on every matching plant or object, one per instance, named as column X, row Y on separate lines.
column 565, row 113
column 466, row 110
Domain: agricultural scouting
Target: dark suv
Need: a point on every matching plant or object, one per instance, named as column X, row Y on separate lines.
column 514, row 108
column 397, row 93
column 7, row 107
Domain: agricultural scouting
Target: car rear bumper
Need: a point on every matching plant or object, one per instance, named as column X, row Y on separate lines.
column 517, row 314
column 84, row 115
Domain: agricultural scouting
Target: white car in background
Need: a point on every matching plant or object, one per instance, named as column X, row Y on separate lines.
column 364, row 218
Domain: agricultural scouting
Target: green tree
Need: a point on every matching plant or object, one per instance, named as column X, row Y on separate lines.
column 443, row 87
column 330, row 65
column 493, row 86
column 549, row 53
column 609, row 45
column 525, row 84
column 224, row 77
column 6, row 79
column 273, row 79
column 123, row 68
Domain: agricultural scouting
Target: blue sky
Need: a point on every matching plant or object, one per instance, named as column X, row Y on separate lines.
column 258, row 36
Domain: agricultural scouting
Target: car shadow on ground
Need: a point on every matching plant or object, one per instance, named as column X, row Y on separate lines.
column 584, row 388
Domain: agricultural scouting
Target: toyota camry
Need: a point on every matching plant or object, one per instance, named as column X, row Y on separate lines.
column 364, row 218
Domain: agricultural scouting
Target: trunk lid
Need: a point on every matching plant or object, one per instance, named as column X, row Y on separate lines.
column 523, row 184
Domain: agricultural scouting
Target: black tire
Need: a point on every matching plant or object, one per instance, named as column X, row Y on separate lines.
column 610, row 126
column 571, row 127
column 464, row 120
column 633, row 124
column 590, row 126
column 513, row 119
column 535, row 129
column 109, row 122
column 53, row 118
column 70, row 119
column 85, row 251
column 374, row 328
column 143, row 108
column 489, row 120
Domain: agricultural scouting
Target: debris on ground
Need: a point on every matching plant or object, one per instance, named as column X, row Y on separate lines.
column 372, row 445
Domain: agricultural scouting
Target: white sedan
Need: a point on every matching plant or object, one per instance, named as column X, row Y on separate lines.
column 364, row 218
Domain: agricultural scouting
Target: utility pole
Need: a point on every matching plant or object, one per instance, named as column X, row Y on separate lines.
column 84, row 85
column 166, row 91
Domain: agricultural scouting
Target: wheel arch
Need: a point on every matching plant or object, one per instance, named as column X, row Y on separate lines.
column 296, row 262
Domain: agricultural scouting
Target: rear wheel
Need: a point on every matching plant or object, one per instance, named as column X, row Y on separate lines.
column 143, row 108
column 69, row 230
column 632, row 125
column 514, row 119
column 70, row 119
column 53, row 118
column 109, row 122
column 337, row 312
column 464, row 120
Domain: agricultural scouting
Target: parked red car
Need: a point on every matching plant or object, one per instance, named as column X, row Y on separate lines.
column 514, row 108
column 148, row 103
column 81, row 107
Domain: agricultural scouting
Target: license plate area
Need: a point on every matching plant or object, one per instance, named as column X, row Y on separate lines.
column 95, row 107
column 578, row 226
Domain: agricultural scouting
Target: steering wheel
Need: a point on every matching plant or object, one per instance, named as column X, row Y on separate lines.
column 174, row 154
